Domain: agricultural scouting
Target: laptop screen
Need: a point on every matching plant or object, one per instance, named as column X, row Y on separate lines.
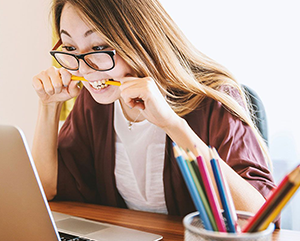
column 24, row 211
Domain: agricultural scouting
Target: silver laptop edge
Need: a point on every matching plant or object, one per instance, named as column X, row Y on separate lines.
column 37, row 177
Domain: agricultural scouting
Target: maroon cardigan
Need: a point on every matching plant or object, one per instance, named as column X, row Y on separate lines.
column 86, row 153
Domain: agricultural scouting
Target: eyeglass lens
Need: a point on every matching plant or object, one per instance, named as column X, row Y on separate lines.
column 99, row 61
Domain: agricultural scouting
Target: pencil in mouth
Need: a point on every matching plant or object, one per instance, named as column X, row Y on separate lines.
column 99, row 83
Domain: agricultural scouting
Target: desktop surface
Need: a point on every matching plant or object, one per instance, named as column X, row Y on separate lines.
column 170, row 227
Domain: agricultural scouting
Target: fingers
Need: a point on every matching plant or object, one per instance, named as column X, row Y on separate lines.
column 132, row 95
column 67, row 83
column 135, row 91
column 37, row 85
column 135, row 103
column 48, row 82
column 138, row 103
column 65, row 77
column 55, row 84
column 57, row 80
column 73, row 88
column 144, row 94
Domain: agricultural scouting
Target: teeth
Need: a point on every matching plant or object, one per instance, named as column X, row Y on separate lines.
column 100, row 84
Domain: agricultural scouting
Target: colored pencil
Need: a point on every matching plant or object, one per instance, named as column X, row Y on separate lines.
column 108, row 82
column 278, row 209
column 275, row 202
column 190, row 158
column 254, row 223
column 215, row 155
column 191, row 187
column 224, row 195
column 211, row 195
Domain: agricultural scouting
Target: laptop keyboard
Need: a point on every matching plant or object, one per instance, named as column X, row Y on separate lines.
column 69, row 237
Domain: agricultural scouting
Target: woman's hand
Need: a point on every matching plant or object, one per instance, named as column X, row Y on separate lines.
column 143, row 93
column 55, row 85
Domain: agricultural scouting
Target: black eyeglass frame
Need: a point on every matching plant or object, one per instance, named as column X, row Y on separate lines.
column 111, row 53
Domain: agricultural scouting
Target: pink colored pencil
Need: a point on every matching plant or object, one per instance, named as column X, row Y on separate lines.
column 211, row 195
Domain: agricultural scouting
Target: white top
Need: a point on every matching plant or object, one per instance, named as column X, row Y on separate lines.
column 139, row 163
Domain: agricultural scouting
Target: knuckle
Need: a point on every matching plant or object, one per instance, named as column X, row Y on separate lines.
column 52, row 68
column 56, row 85
column 64, row 71
column 43, row 75
column 36, row 83
column 39, row 88
column 49, row 91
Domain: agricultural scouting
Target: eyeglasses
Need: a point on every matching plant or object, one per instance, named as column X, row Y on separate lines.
column 98, row 60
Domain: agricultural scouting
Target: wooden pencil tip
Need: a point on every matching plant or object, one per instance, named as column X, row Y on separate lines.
column 294, row 176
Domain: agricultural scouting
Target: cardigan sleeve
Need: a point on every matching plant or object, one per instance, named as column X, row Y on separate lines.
column 237, row 145
column 235, row 142
column 75, row 158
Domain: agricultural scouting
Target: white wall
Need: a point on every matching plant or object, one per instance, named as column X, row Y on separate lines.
column 25, row 39
column 258, row 41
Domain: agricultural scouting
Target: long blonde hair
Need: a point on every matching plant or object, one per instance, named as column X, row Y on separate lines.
column 146, row 37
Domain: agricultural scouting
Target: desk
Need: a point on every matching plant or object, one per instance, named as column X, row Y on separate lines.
column 170, row 227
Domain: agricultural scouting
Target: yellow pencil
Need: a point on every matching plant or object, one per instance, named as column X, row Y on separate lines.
column 78, row 78
column 108, row 82
column 112, row 82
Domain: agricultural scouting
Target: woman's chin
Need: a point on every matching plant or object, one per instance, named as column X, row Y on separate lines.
column 106, row 95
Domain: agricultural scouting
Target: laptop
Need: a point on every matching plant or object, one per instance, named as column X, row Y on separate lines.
column 24, row 211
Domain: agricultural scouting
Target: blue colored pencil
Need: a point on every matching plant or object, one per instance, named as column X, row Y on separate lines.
column 192, row 187
column 227, row 191
column 222, row 193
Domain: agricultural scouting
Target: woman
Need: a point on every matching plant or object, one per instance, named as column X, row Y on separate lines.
column 115, row 147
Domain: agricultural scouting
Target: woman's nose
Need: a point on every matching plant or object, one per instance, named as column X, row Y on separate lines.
column 84, row 68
